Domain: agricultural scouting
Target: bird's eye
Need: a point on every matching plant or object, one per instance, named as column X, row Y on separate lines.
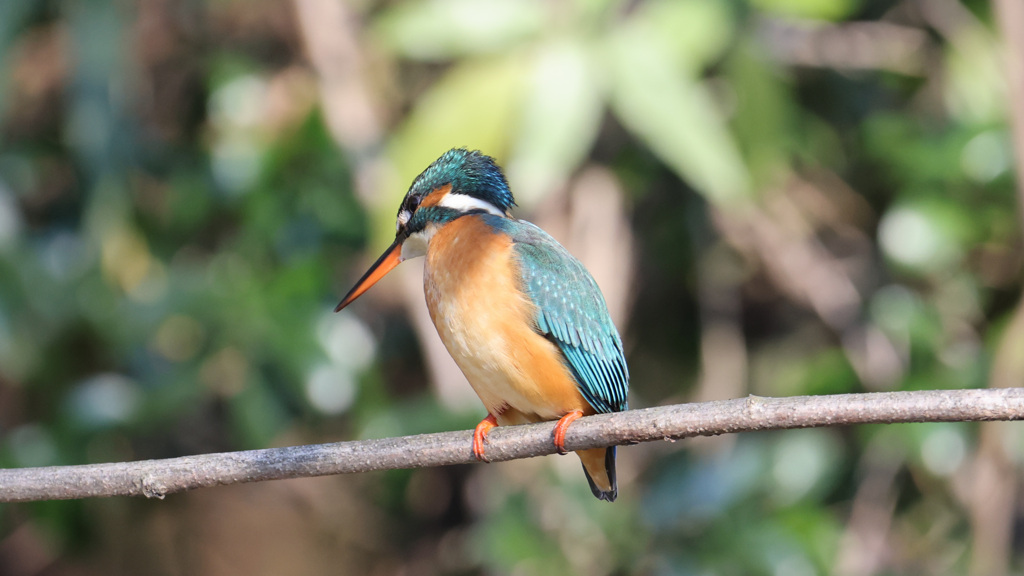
column 414, row 203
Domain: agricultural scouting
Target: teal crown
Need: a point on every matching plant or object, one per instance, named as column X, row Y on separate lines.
column 470, row 172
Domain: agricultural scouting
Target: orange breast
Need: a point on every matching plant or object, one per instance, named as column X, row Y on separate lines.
column 486, row 322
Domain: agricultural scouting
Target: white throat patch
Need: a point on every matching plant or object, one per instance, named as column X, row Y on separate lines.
column 416, row 244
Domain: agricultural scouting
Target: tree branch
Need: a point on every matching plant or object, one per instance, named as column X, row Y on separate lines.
column 157, row 478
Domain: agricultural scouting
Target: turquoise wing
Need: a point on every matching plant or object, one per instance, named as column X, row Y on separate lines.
column 572, row 313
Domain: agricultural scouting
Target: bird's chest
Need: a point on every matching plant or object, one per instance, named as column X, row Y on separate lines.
column 488, row 324
column 479, row 310
column 472, row 293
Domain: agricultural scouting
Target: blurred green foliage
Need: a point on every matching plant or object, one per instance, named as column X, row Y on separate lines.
column 820, row 199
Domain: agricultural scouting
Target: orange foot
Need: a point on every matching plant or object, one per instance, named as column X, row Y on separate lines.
column 480, row 436
column 562, row 427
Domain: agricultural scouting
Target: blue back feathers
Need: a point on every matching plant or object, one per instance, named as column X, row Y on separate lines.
column 469, row 172
column 572, row 313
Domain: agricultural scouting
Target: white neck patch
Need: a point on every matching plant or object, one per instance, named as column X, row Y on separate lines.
column 464, row 203
column 416, row 244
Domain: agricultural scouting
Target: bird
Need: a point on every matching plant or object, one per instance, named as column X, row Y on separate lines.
column 522, row 318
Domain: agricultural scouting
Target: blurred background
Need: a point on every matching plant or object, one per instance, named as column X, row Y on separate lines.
column 778, row 197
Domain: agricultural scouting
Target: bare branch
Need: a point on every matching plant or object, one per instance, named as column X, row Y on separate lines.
column 157, row 478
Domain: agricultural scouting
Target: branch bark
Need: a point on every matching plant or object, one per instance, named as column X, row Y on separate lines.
column 157, row 478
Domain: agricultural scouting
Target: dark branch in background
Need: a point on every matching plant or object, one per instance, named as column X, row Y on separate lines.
column 157, row 478
column 992, row 506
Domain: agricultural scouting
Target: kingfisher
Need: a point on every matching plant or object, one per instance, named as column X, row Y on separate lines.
column 523, row 319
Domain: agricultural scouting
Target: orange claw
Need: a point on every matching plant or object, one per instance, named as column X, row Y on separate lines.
column 480, row 436
column 562, row 427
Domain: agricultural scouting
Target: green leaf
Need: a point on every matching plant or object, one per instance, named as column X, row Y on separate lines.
column 676, row 116
column 831, row 10
column 444, row 29
column 975, row 82
column 693, row 32
column 764, row 116
column 561, row 115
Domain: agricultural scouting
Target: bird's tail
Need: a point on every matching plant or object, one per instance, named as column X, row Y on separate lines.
column 599, row 466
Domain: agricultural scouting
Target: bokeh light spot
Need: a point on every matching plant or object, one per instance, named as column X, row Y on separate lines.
column 912, row 238
column 104, row 400
column 802, row 459
column 32, row 445
column 986, row 156
column 943, row 451
column 330, row 389
column 347, row 341
column 225, row 372
column 178, row 338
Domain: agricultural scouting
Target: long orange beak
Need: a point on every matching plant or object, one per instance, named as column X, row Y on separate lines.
column 386, row 263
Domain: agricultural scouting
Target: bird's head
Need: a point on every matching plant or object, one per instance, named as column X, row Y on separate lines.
column 459, row 183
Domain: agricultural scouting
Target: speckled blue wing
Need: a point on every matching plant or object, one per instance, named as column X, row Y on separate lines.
column 571, row 312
